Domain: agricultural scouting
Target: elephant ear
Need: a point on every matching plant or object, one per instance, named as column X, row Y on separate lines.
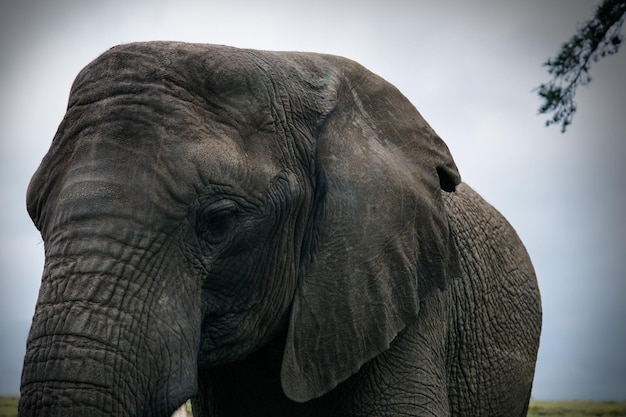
column 381, row 239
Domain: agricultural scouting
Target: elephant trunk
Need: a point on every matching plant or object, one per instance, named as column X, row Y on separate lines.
column 111, row 334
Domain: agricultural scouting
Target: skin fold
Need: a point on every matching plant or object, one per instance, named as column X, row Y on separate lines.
column 267, row 233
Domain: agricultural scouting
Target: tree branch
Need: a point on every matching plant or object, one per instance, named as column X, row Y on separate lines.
column 598, row 38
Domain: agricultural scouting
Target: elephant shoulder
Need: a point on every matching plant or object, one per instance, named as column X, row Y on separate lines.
column 472, row 216
column 483, row 235
column 495, row 304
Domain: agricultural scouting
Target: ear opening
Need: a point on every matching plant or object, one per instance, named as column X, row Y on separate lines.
column 448, row 178
column 381, row 234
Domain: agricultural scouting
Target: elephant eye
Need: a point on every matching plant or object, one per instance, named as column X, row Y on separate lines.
column 216, row 220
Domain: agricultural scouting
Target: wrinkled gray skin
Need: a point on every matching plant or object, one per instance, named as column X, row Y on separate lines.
column 268, row 234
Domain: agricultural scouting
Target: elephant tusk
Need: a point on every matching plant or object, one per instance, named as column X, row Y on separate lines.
column 181, row 412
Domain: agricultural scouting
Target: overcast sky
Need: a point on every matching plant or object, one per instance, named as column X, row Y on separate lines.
column 468, row 67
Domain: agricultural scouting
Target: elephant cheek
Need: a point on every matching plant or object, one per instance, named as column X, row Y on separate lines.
column 240, row 323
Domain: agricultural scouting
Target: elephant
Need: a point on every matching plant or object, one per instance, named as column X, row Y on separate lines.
column 267, row 233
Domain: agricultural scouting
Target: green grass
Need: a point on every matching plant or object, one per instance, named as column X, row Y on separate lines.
column 576, row 409
column 8, row 408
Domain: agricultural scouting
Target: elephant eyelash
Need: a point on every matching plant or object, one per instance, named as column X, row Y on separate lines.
column 217, row 220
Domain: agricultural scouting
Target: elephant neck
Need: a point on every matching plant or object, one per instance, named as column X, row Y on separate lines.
column 251, row 386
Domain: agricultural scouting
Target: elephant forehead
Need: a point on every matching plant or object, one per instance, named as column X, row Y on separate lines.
column 103, row 178
column 236, row 86
column 152, row 166
column 254, row 90
column 233, row 163
column 196, row 106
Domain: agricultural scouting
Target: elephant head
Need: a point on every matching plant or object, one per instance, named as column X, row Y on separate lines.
column 198, row 201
